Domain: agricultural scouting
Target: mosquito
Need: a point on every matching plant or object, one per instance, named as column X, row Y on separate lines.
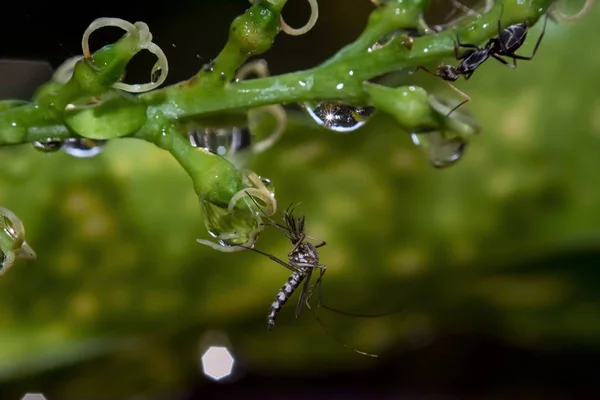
column 303, row 260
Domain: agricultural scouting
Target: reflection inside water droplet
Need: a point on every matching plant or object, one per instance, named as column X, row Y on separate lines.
column 441, row 151
column 49, row 145
column 221, row 141
column 232, row 228
column 339, row 117
column 83, row 148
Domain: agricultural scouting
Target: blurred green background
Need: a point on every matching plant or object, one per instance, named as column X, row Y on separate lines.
column 504, row 245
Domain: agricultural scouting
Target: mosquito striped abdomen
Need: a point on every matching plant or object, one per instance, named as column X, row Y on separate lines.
column 285, row 293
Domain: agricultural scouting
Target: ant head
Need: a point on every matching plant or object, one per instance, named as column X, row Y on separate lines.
column 447, row 72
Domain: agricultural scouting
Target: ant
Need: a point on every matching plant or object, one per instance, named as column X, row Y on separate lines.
column 506, row 44
column 302, row 261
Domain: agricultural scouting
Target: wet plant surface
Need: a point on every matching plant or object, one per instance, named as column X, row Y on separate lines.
column 490, row 263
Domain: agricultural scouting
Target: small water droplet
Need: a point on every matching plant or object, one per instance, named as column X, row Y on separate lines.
column 83, row 148
column 49, row 145
column 339, row 117
column 441, row 151
column 209, row 67
column 156, row 73
column 221, row 141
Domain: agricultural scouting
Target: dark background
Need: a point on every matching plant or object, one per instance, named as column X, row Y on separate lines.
column 493, row 263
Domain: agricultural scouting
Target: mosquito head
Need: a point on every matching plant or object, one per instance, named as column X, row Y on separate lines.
column 295, row 226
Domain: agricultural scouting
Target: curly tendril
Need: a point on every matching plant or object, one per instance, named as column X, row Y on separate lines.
column 65, row 71
column 280, row 115
column 12, row 241
column 256, row 67
column 261, row 69
column 258, row 193
column 236, row 248
column 144, row 42
column 556, row 13
column 312, row 20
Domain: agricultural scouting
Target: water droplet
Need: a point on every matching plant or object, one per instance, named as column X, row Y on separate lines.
column 209, row 67
column 222, row 141
column 156, row 73
column 48, row 146
column 83, row 148
column 2, row 259
column 441, row 151
column 339, row 117
column 231, row 228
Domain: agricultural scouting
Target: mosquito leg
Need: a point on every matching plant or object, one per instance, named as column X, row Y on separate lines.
column 272, row 257
column 303, row 299
column 341, row 342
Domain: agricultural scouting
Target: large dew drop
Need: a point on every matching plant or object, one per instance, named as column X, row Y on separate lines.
column 339, row 117
column 240, row 222
column 49, row 145
column 222, row 141
column 83, row 148
column 441, row 151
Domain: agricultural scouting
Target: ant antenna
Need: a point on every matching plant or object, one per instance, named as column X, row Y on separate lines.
column 462, row 94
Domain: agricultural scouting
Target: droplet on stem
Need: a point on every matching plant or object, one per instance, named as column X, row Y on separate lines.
column 339, row 117
column 221, row 141
column 441, row 151
column 83, row 148
column 49, row 145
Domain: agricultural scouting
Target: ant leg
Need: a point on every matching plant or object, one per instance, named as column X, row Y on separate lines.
column 424, row 69
column 537, row 44
column 503, row 61
column 504, row 50
column 466, row 45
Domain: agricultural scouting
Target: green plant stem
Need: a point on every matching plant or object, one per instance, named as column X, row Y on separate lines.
column 208, row 94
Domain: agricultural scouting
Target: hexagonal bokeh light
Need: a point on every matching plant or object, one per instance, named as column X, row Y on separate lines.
column 217, row 362
column 33, row 396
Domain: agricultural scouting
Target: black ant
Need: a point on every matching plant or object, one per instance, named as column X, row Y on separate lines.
column 302, row 261
column 506, row 44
